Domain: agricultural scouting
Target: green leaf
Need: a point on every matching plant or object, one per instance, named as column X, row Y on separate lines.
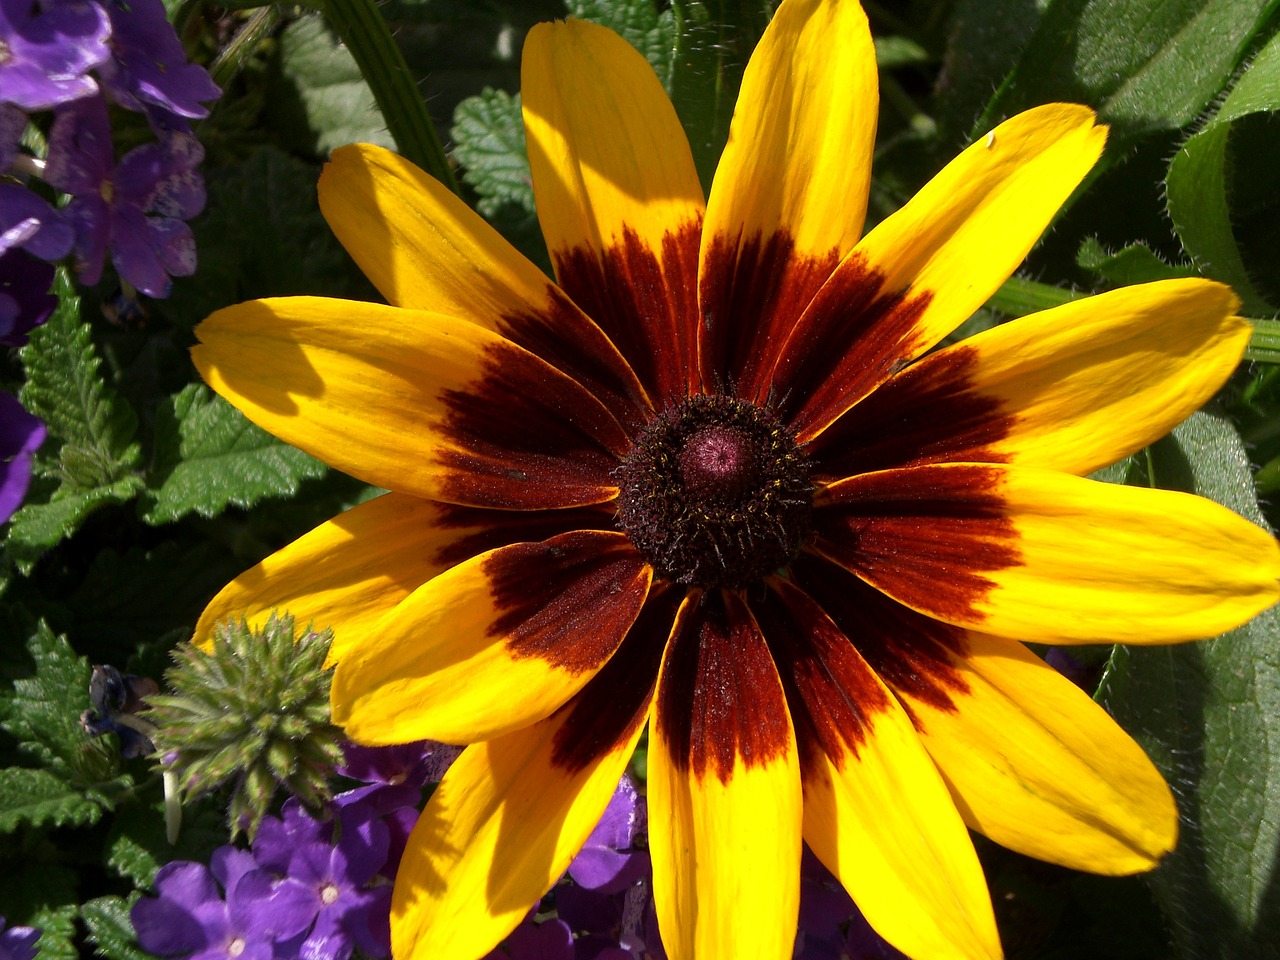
column 713, row 39
column 93, row 428
column 1199, row 182
column 639, row 23
column 488, row 133
column 208, row 455
column 137, row 846
column 110, row 930
column 90, row 453
column 323, row 101
column 39, row 798
column 43, row 714
column 1208, row 714
column 1146, row 64
column 1136, row 263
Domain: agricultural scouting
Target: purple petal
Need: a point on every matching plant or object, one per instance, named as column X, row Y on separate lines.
column 175, row 244
column 277, row 838
column 187, row 884
column 50, row 48
column 81, row 155
column 37, row 227
column 134, row 253
column 25, row 300
column 605, row 861
column 149, row 68
column 552, row 940
column 270, row 908
column 19, row 943
column 362, row 850
column 228, row 864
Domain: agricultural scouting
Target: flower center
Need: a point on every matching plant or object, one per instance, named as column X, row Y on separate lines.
column 329, row 894
column 716, row 493
column 236, row 946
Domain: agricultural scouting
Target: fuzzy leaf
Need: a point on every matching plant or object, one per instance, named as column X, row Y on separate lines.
column 40, row 798
column 489, row 134
column 1136, row 263
column 1199, row 183
column 38, row 526
column 1146, row 64
column 43, row 714
column 1209, row 716
column 110, row 930
column 639, row 23
column 91, row 427
column 323, row 101
column 209, row 456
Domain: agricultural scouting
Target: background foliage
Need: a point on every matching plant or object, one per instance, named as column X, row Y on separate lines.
column 151, row 492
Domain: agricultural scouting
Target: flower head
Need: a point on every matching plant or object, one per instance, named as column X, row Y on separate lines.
column 136, row 209
column 716, row 479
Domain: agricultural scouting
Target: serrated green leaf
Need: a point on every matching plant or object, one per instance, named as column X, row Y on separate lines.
column 43, row 714
column 1209, row 716
column 209, row 456
column 1147, row 65
column 488, row 132
column 92, row 427
column 1198, row 184
column 59, row 930
column 323, row 102
column 38, row 526
column 38, row 891
column 640, row 23
column 1136, row 263
column 110, row 929
column 34, row 798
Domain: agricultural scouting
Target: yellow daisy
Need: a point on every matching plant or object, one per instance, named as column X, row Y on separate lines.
column 712, row 479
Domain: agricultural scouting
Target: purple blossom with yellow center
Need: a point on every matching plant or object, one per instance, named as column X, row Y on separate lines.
column 135, row 209
column 716, row 479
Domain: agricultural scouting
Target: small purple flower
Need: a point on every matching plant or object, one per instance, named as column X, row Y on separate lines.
column 47, row 49
column 114, row 699
column 148, row 70
column 18, row 943
column 20, row 435
column 135, row 209
column 190, row 919
column 25, row 300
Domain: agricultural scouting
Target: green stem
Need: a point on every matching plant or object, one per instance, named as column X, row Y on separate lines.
column 1265, row 345
column 260, row 25
column 366, row 34
column 1018, row 297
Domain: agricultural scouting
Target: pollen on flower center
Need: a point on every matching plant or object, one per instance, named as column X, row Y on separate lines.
column 715, row 493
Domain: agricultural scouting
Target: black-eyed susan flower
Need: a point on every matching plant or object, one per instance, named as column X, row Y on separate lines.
column 713, row 479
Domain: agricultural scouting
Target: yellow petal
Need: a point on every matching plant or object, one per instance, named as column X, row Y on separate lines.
column 1049, row 557
column 350, row 571
column 617, row 194
column 425, row 249
column 927, row 267
column 415, row 402
column 1040, row 768
column 724, row 792
column 790, row 191
column 511, row 813
column 493, row 644
column 1074, row 388
column 876, row 812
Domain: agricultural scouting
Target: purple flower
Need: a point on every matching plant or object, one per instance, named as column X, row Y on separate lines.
column 114, row 698
column 607, row 861
column 18, row 943
column 49, row 48
column 190, row 919
column 417, row 763
column 20, row 435
column 148, row 70
column 25, row 300
column 135, row 209
column 551, row 940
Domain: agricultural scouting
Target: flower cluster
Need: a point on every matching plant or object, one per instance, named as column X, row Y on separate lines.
column 73, row 58
column 313, row 886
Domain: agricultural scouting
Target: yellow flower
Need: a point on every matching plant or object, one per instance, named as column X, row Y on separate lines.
column 713, row 480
